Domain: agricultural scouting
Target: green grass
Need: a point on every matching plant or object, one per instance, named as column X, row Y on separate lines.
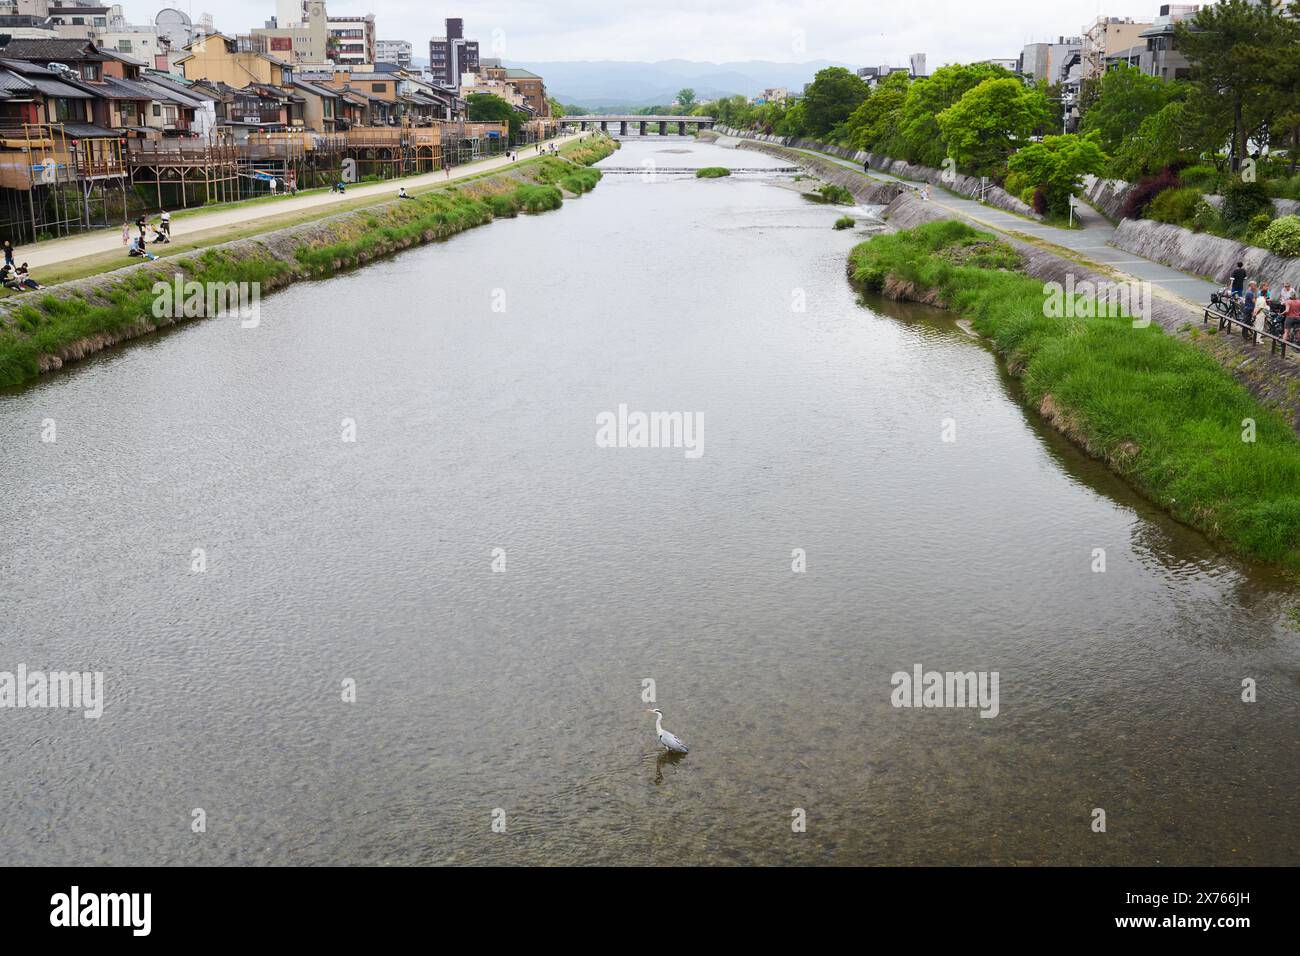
column 1162, row 412
column 845, row 222
column 831, row 193
column 712, row 172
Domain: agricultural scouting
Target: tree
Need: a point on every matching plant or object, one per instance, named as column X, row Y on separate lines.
column 983, row 127
column 832, row 96
column 1057, row 166
column 686, row 98
column 490, row 108
column 877, row 116
column 1237, row 50
column 1125, row 96
column 1157, row 143
column 557, row 108
column 918, row 138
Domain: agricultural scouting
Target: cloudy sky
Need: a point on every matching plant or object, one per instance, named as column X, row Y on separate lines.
column 860, row 32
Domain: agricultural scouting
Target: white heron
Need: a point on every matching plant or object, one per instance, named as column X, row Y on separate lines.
column 667, row 737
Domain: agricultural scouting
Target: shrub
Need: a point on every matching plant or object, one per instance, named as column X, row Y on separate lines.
column 1177, row 206
column 1017, row 183
column 1040, row 201
column 835, row 194
column 1203, row 177
column 1206, row 218
column 1146, row 190
column 712, row 172
column 845, row 222
column 1282, row 236
column 1242, row 201
column 1255, row 228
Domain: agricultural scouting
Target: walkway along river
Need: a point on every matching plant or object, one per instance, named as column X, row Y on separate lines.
column 304, row 637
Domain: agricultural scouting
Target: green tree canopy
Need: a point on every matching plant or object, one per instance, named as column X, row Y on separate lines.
column 918, row 137
column 1238, row 53
column 1125, row 96
column 833, row 95
column 983, row 127
column 876, row 117
column 686, row 98
column 1057, row 166
column 490, row 108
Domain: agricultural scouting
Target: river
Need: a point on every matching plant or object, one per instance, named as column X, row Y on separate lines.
column 474, row 372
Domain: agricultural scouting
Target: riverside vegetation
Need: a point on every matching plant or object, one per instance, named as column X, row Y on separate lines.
column 38, row 333
column 1162, row 413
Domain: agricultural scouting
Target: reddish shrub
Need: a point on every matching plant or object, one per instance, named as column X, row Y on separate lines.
column 1040, row 201
column 1147, row 189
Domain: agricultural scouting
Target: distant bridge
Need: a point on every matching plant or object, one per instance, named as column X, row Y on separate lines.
column 586, row 122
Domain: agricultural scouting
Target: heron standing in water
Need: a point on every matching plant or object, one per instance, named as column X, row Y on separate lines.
column 667, row 737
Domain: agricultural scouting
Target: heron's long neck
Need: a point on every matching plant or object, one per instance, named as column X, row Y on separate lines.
column 659, row 723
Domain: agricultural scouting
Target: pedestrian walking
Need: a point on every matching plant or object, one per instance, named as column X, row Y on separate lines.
column 165, row 224
column 140, row 224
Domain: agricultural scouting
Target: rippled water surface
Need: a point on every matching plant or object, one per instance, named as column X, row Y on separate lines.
column 476, row 690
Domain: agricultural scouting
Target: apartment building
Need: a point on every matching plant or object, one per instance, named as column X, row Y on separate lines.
column 452, row 56
column 351, row 39
column 304, row 39
column 1106, row 36
column 399, row 52
column 1048, row 62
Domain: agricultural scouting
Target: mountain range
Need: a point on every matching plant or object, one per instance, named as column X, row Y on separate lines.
column 594, row 84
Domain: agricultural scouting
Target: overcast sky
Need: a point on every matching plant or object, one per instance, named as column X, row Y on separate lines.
column 860, row 32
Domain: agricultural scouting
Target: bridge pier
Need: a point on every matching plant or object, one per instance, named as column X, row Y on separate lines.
column 643, row 127
column 663, row 128
column 604, row 126
column 622, row 128
column 681, row 129
column 584, row 127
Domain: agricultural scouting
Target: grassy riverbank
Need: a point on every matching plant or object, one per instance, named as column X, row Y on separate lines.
column 1160, row 411
column 38, row 332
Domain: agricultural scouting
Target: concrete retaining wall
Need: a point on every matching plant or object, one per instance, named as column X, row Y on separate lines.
column 958, row 183
column 1202, row 254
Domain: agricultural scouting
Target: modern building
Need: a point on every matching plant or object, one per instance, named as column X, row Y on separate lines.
column 351, row 39
column 873, row 75
column 1106, row 36
column 452, row 56
column 399, row 52
column 1046, row 62
column 304, row 40
column 1157, row 54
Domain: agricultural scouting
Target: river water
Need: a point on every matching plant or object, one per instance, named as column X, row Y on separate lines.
column 474, row 371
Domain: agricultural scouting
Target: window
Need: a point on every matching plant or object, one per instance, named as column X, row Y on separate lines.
column 378, row 87
column 157, row 109
column 89, row 71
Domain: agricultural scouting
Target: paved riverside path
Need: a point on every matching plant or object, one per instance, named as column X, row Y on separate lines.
column 190, row 224
column 1090, row 243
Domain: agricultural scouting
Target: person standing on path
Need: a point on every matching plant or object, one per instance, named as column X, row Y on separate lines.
column 165, row 224
column 9, row 253
column 1238, row 278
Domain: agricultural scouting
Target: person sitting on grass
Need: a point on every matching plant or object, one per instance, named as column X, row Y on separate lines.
column 8, row 279
column 403, row 194
column 25, row 280
column 138, row 250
